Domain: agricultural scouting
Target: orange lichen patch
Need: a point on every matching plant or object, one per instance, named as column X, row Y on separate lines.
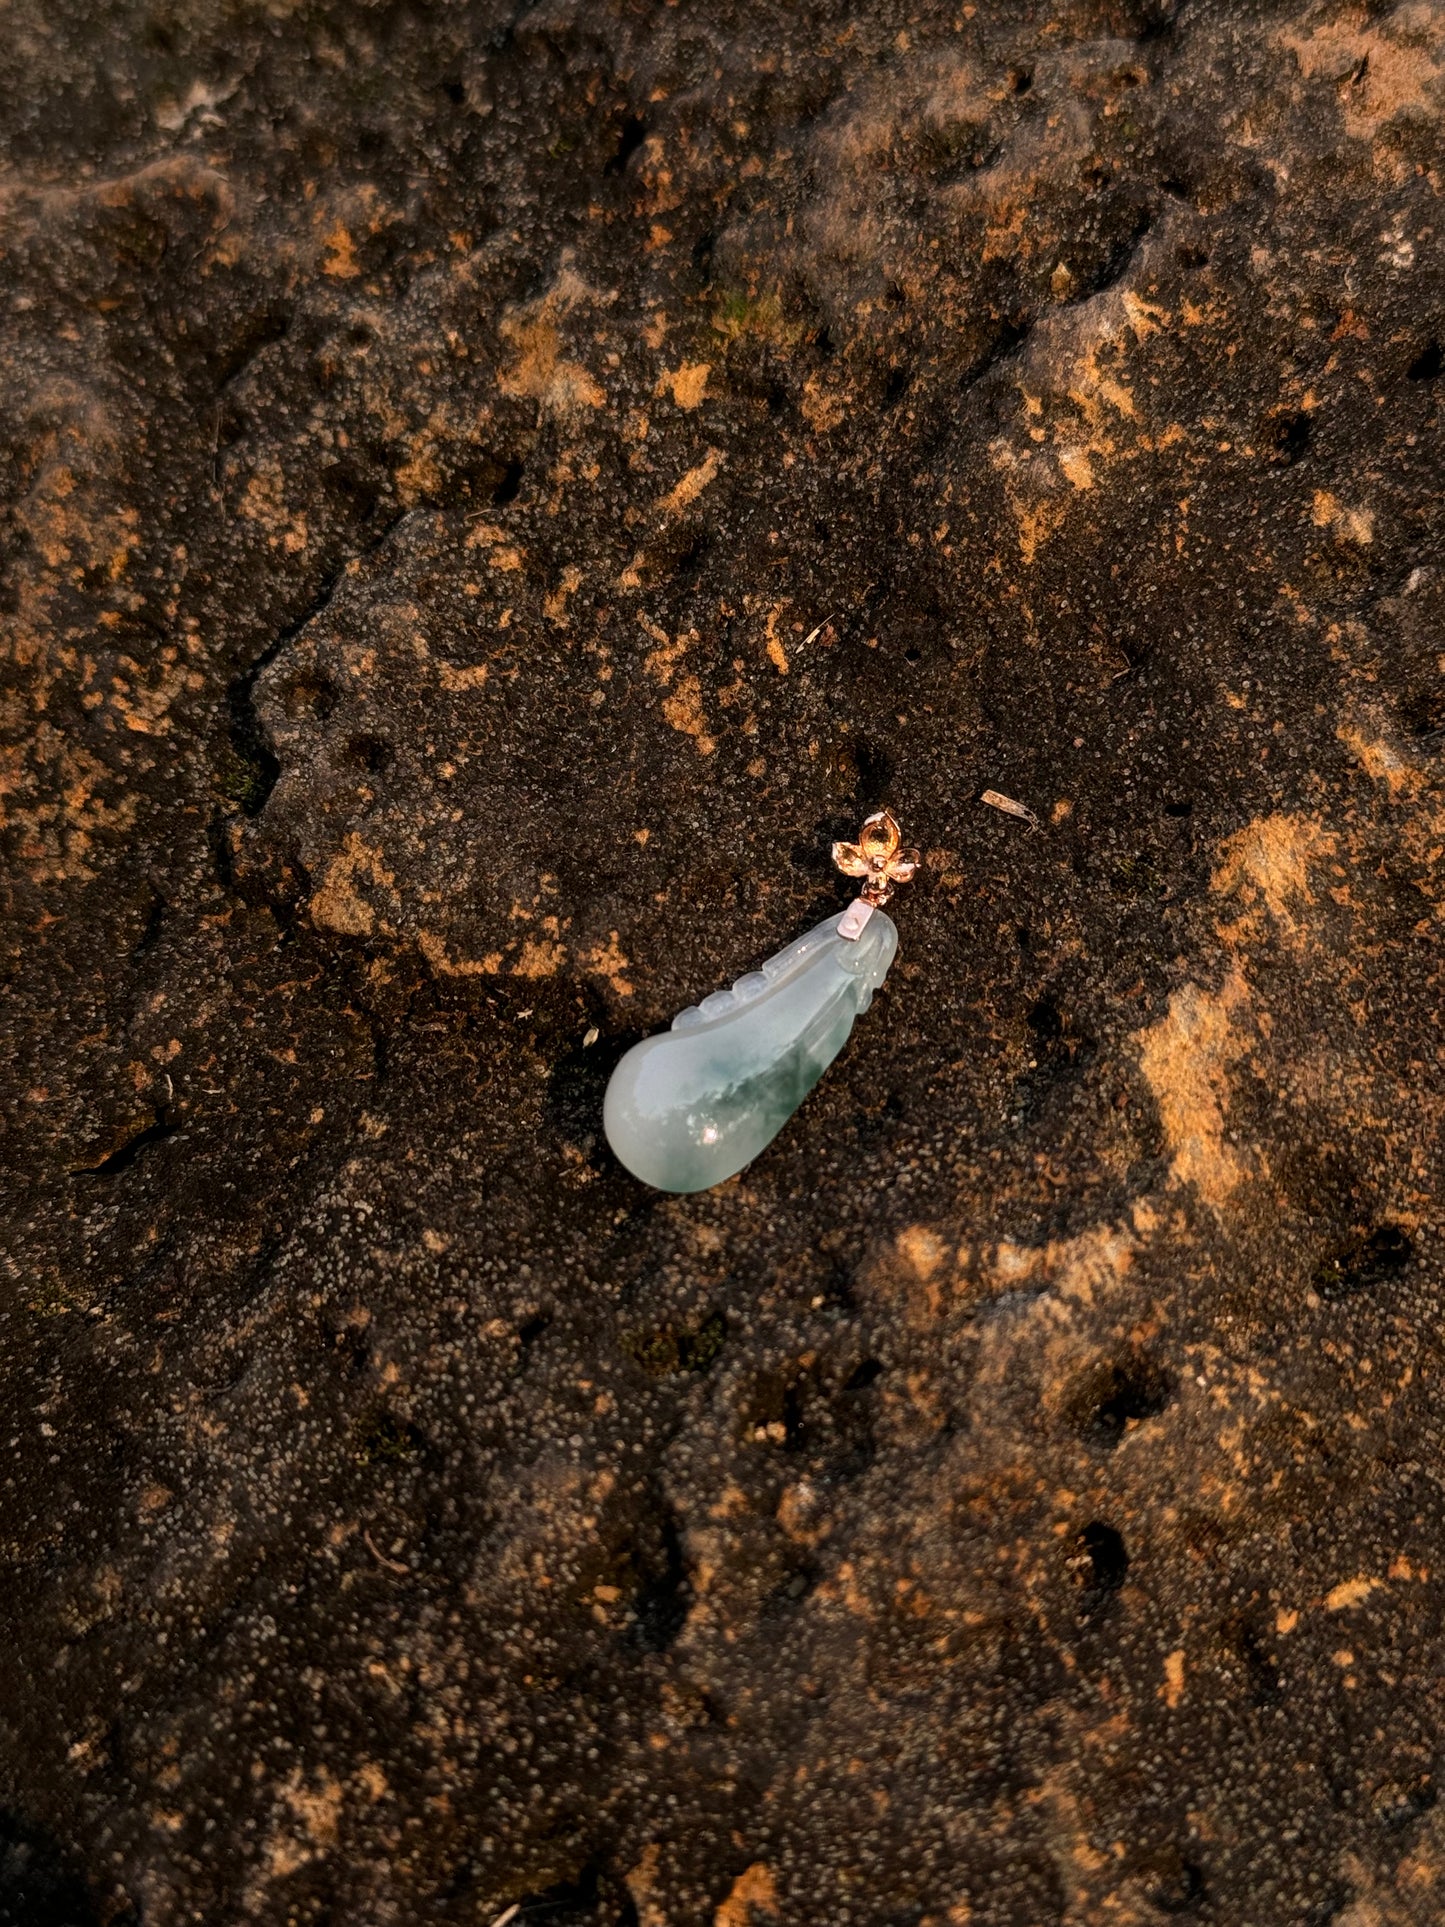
column 1350, row 525
column 1078, row 471
column 454, row 679
column 142, row 695
column 1268, row 862
column 554, row 605
column 918, row 1276
column 317, row 1808
column 931, row 97
column 343, row 226
column 316, row 1811
column 1393, row 67
column 541, row 373
column 607, row 960
column 1031, row 485
column 642, row 1886
column 922, row 1250
column 90, row 1750
column 54, row 836
column 264, row 503
column 1003, row 236
column 823, row 404
column 1350, row 1592
column 1085, row 1270
column 1080, row 412
column 660, row 662
column 753, row 1889
column 1089, row 373
column 1187, row 1057
column 1145, row 318
column 539, row 957
column 777, row 654
column 1172, row 1691
column 682, row 709
column 693, row 483
column 422, row 477
column 730, row 1503
column 929, row 1281
column 504, row 554
column 434, row 949
column 687, row 385
column 263, row 500
column 337, row 904
column 538, row 370
column 1077, row 1860
column 684, row 712
column 1037, row 522
column 1380, row 760
column 802, row 1513
column 340, row 260
column 56, row 513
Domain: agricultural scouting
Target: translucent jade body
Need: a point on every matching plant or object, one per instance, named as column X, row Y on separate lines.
column 693, row 1105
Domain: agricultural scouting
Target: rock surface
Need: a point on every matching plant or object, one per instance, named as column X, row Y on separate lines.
column 432, row 437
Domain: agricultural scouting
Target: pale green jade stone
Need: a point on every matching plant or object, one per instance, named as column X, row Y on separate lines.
column 693, row 1105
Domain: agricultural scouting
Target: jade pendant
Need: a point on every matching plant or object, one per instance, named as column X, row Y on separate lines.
column 690, row 1107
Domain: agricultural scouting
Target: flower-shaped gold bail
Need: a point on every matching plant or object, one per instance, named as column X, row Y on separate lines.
column 878, row 857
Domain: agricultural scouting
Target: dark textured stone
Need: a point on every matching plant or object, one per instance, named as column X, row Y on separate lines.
column 432, row 439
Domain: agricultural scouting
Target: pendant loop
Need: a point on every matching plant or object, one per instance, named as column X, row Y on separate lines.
column 878, row 857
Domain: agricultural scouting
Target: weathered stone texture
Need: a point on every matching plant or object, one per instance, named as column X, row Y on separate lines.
column 432, row 439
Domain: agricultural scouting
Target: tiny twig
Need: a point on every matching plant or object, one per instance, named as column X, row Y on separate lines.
column 391, row 1565
column 998, row 801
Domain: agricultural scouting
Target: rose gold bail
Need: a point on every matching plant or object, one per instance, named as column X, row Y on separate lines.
column 878, row 857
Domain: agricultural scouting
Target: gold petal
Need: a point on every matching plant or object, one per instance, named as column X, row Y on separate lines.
column 850, row 859
column 906, row 864
column 880, row 835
